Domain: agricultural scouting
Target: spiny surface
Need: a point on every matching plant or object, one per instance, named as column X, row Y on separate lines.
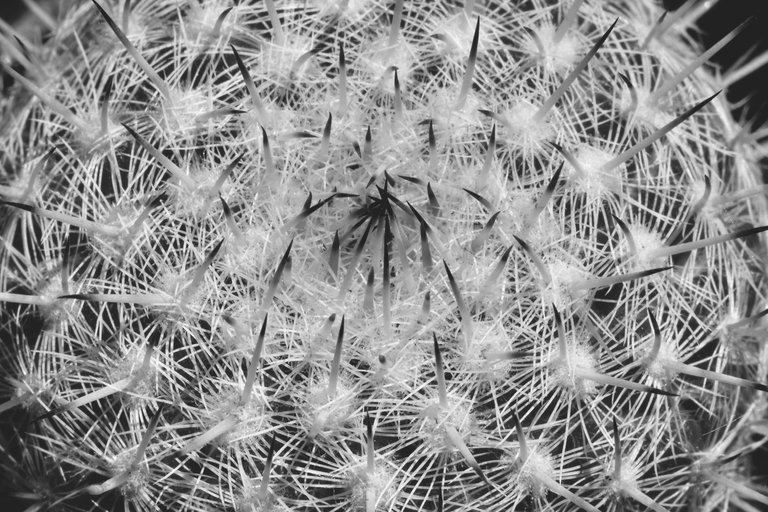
column 377, row 255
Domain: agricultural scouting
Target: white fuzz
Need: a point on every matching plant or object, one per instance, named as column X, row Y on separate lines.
column 532, row 469
column 456, row 414
column 557, row 56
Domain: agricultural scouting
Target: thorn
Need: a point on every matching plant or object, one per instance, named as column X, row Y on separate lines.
column 336, row 363
column 494, row 276
column 739, row 72
column 569, row 158
column 249, row 85
column 562, row 343
column 656, row 29
column 557, row 488
column 66, row 262
column 432, row 146
column 642, row 498
column 692, row 246
column 656, row 337
column 33, row 175
column 50, row 101
column 695, row 209
column 84, row 224
column 386, row 299
column 748, row 492
column 199, row 273
column 326, row 140
column 466, row 317
column 236, row 232
column 355, row 260
column 299, row 134
column 695, row 371
column 442, row 390
column 209, row 435
column 632, row 92
column 471, row 61
column 603, row 282
column 469, row 6
column 93, row 396
column 493, row 115
column 537, row 41
column 616, row 452
column 537, row 262
column 629, row 153
column 219, row 22
column 333, row 257
column 41, row 14
column 250, row 377
column 107, row 390
column 488, row 157
column 627, row 234
column 122, row 478
column 419, row 217
column 309, row 208
column 459, row 443
column 219, row 112
column 550, row 102
column 483, row 201
column 508, row 355
column 325, row 330
column 139, row 299
column 520, row 438
column 264, row 487
column 277, row 27
column 171, row 167
column 747, row 321
column 142, row 448
column 426, row 254
column 276, row 279
column 32, row 300
column 542, row 201
column 434, row 206
column 367, row 149
column 303, row 58
column 368, row 297
column 607, row 380
column 342, row 81
column 568, row 21
column 162, row 87
column 126, row 16
column 268, row 162
column 227, row 172
column 369, row 450
column 671, row 83
column 104, row 109
column 482, row 237
column 398, row 96
column 426, row 306
column 397, row 17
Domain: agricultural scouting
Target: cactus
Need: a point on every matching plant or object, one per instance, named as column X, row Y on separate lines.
column 370, row 255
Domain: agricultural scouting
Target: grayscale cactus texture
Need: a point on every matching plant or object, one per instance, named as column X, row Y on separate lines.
column 422, row 255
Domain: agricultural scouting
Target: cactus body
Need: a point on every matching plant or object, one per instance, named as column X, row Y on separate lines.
column 368, row 255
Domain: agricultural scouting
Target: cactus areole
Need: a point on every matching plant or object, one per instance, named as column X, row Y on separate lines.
column 378, row 255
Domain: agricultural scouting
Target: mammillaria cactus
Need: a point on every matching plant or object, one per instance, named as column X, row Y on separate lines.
column 371, row 255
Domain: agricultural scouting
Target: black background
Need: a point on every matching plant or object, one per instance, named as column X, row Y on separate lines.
column 11, row 9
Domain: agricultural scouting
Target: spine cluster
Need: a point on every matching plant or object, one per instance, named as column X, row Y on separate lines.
column 369, row 255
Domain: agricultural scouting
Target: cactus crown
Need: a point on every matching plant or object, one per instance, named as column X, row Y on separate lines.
column 369, row 255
